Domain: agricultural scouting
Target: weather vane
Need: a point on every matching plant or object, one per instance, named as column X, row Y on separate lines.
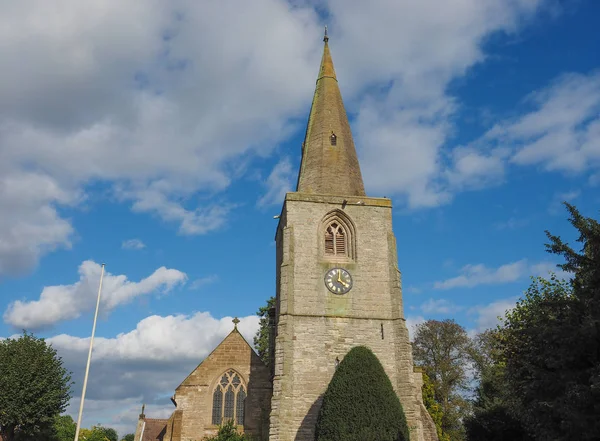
column 326, row 37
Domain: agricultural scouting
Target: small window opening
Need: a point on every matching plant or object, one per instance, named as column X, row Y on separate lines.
column 333, row 139
column 335, row 240
column 382, row 331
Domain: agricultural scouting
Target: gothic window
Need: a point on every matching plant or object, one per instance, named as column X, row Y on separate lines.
column 333, row 139
column 338, row 233
column 335, row 240
column 217, row 412
column 229, row 399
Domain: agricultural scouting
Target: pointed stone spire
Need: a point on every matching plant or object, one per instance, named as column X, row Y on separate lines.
column 329, row 162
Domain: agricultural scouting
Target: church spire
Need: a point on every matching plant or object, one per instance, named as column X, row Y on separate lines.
column 329, row 162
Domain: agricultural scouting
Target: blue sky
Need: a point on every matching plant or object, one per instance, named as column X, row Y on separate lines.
column 160, row 139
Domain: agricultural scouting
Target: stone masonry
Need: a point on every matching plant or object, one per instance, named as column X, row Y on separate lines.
column 314, row 326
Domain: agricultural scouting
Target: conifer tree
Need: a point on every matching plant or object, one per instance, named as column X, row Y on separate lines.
column 360, row 403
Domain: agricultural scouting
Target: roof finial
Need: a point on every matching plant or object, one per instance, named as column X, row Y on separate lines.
column 235, row 322
column 326, row 37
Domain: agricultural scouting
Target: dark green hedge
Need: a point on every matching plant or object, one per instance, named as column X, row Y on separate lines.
column 360, row 403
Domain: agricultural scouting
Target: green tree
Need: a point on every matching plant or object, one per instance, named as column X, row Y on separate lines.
column 228, row 432
column 551, row 341
column 433, row 407
column 360, row 403
column 443, row 350
column 128, row 437
column 493, row 418
column 64, row 428
column 101, row 433
column 262, row 337
column 34, row 386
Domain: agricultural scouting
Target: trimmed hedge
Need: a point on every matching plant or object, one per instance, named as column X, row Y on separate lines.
column 360, row 403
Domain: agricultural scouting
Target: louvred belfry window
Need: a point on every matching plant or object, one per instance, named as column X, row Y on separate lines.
column 335, row 240
column 229, row 399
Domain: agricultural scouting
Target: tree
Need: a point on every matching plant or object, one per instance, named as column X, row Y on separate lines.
column 360, row 403
column 262, row 337
column 101, row 433
column 443, row 350
column 433, row 407
column 128, row 437
column 64, row 428
column 493, row 418
column 551, row 341
column 228, row 432
column 34, row 386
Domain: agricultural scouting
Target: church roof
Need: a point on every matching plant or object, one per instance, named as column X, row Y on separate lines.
column 154, row 429
column 329, row 163
column 233, row 339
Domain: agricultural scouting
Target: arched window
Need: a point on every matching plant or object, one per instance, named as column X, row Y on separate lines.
column 228, row 399
column 338, row 236
column 335, row 240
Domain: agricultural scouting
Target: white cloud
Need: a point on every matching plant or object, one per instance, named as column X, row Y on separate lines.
column 203, row 281
column 278, row 183
column 144, row 365
column 562, row 132
column 439, row 306
column 133, row 244
column 412, row 322
column 479, row 274
column 65, row 302
column 182, row 101
column 487, row 316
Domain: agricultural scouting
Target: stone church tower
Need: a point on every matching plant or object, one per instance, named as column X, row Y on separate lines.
column 338, row 282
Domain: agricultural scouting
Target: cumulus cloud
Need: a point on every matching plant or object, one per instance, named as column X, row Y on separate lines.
column 133, row 244
column 65, row 302
column 560, row 132
column 478, row 274
column 487, row 316
column 182, row 101
column 144, row 365
column 412, row 322
column 278, row 183
column 439, row 306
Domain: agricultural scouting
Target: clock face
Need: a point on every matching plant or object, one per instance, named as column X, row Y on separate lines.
column 338, row 280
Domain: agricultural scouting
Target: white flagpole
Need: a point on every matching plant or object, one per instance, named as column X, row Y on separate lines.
column 87, row 368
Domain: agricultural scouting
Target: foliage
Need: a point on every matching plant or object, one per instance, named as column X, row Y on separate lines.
column 228, row 432
column 101, row 433
column 360, row 403
column 551, row 342
column 492, row 418
column 128, row 437
column 34, row 386
column 433, row 407
column 262, row 337
column 443, row 350
column 64, row 428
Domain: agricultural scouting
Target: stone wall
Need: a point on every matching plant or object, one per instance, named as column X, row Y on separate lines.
column 194, row 395
column 314, row 326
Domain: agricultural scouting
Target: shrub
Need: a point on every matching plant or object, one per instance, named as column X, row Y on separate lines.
column 360, row 403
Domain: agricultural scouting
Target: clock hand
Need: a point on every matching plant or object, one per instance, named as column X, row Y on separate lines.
column 340, row 277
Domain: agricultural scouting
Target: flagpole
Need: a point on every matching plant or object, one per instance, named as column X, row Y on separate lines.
column 87, row 368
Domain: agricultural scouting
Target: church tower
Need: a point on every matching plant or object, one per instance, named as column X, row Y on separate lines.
column 338, row 282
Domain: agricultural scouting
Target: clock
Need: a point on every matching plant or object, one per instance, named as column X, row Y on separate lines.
column 338, row 280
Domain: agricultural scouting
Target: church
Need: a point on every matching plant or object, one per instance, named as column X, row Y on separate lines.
column 337, row 286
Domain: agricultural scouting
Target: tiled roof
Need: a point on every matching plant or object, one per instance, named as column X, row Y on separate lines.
column 154, row 429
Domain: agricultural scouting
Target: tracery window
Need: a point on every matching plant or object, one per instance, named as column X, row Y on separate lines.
column 335, row 240
column 338, row 236
column 228, row 399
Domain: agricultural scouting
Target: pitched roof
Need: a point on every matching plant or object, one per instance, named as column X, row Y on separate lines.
column 154, row 429
column 233, row 335
column 329, row 162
